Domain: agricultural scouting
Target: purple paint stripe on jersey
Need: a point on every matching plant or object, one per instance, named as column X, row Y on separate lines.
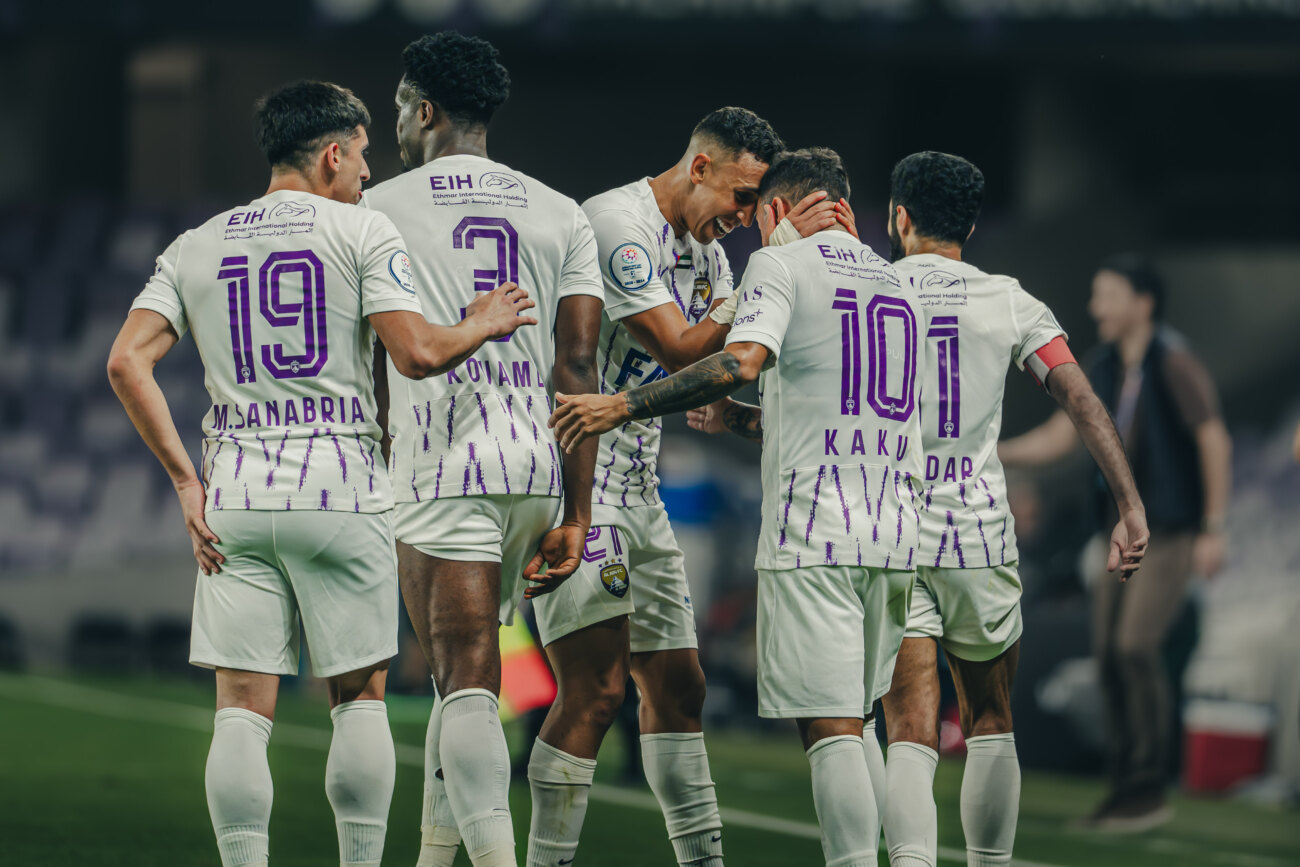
column 613, row 456
column 266, row 452
column 993, row 503
column 415, row 409
column 899, row 498
column 239, row 458
column 844, row 506
column 324, row 499
column 478, row 477
column 510, row 413
column 482, row 411
column 288, row 504
column 505, row 473
column 887, row 556
column 988, row 558
column 677, row 296
column 866, row 494
column 469, row 467
column 306, row 460
column 372, row 466
column 910, row 553
column 248, row 502
column 785, row 518
column 812, row 511
column 961, row 492
column 216, row 454
column 1002, row 534
column 830, row 555
column 279, row 452
column 798, row 560
column 356, row 501
column 216, row 499
column 532, row 470
column 943, row 545
column 203, row 465
column 451, row 418
column 415, row 489
column 343, row 462
column 528, row 411
column 956, row 543
column 929, row 494
column 609, row 349
column 859, row 552
column 437, row 481
column 428, row 414
column 555, row 470
column 880, row 498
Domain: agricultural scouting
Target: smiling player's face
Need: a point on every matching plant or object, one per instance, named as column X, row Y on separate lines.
column 726, row 195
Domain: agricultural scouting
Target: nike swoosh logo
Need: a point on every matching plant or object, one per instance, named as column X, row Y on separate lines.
column 715, row 838
column 566, row 861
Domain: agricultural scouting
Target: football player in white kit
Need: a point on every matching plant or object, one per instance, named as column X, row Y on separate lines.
column 290, row 516
column 476, row 472
column 967, row 592
column 664, row 273
column 825, row 321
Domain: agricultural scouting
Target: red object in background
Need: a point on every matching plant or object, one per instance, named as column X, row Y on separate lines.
column 951, row 742
column 1224, row 744
column 526, row 682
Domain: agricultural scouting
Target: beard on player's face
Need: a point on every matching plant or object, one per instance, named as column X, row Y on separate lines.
column 896, row 250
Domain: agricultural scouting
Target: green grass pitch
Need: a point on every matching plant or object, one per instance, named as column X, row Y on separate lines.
column 110, row 772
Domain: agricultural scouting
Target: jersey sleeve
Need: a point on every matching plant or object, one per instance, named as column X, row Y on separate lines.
column 724, row 286
column 766, row 301
column 387, row 284
column 1035, row 327
column 162, row 293
column 626, row 252
column 580, row 273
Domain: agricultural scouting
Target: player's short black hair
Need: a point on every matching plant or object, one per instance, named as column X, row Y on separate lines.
column 460, row 74
column 1141, row 275
column 294, row 122
column 942, row 193
column 739, row 130
column 794, row 174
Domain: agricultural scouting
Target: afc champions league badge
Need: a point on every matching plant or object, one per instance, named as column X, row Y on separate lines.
column 613, row 575
column 630, row 267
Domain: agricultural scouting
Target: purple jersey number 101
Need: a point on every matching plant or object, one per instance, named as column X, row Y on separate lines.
column 308, row 314
column 882, row 308
column 499, row 232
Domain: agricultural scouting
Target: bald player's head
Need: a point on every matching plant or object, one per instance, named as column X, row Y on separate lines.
column 728, row 152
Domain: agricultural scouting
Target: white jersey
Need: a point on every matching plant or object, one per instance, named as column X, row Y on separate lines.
column 976, row 324
column 841, row 415
column 276, row 293
column 481, row 428
column 644, row 266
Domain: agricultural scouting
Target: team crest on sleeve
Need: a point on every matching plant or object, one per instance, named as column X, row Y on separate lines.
column 613, row 575
column 630, row 266
column 399, row 265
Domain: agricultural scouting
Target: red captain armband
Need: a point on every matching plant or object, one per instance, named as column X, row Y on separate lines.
column 1041, row 361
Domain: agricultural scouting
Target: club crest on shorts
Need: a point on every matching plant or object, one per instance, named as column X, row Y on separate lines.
column 613, row 575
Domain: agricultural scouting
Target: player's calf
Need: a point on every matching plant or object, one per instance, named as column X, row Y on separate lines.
column 842, row 792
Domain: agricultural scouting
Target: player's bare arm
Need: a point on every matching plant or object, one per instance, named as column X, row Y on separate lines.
column 420, row 348
column 143, row 341
column 582, row 416
column 577, row 330
column 1068, row 384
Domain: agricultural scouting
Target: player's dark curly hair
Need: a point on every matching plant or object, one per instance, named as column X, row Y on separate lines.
column 460, row 74
column 794, row 174
column 942, row 193
column 739, row 130
column 1141, row 275
column 294, row 122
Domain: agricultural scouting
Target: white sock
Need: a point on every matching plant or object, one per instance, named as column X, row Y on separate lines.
column 677, row 769
column 911, row 825
column 846, row 808
column 990, row 799
column 559, row 783
column 239, row 788
column 876, row 767
column 476, row 770
column 359, row 780
column 439, row 837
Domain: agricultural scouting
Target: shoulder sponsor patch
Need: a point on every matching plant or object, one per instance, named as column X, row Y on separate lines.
column 630, row 266
column 399, row 265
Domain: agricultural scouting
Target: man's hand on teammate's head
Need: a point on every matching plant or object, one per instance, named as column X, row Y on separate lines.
column 500, row 311
column 1128, row 544
column 193, row 501
column 779, row 224
column 578, row 416
column 561, row 551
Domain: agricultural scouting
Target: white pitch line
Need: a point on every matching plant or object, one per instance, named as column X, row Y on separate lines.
column 102, row 702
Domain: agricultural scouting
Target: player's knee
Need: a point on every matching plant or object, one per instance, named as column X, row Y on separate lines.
column 912, row 730
column 989, row 721
column 687, row 690
column 606, row 701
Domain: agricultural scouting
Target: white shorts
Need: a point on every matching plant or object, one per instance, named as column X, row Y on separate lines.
column 491, row 528
column 632, row 566
column 337, row 571
column 828, row 638
column 975, row 613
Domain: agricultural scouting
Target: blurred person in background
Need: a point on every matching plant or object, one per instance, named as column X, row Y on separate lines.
column 1166, row 409
column 277, row 535
column 481, row 478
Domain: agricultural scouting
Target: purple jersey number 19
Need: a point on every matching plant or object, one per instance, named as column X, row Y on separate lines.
column 309, row 314
column 499, row 232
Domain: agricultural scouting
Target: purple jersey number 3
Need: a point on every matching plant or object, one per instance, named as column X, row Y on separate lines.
column 498, row 232
column 308, row 314
column 881, row 309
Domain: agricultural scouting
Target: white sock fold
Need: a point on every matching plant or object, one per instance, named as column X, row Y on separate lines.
column 439, row 836
column 359, row 777
column 990, row 799
column 876, row 767
column 559, row 784
column 846, row 807
column 238, row 782
column 476, row 771
column 911, row 824
column 677, row 769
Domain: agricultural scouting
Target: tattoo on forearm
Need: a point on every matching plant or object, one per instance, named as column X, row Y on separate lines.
column 702, row 383
column 745, row 420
